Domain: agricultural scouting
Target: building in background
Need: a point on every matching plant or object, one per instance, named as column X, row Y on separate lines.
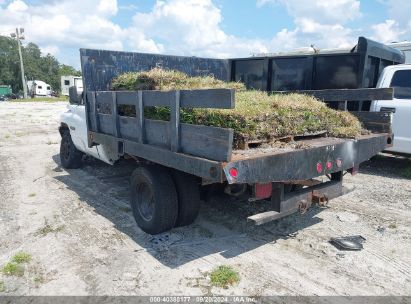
column 69, row 81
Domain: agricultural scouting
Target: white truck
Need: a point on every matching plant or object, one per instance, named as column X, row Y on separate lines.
column 399, row 78
column 69, row 81
column 178, row 163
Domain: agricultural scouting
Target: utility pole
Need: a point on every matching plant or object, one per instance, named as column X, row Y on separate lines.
column 19, row 36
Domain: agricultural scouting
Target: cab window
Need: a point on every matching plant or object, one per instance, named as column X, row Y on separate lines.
column 401, row 82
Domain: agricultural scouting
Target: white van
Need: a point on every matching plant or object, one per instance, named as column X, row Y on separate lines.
column 69, row 81
column 398, row 77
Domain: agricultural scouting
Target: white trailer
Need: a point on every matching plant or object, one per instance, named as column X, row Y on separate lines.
column 38, row 88
column 69, row 81
column 404, row 46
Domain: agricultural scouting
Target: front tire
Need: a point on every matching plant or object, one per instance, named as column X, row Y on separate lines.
column 153, row 199
column 70, row 157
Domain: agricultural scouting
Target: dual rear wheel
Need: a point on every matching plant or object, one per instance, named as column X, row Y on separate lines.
column 162, row 199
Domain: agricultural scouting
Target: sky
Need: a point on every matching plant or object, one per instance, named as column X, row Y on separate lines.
column 207, row 28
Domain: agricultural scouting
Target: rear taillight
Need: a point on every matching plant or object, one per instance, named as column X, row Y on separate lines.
column 329, row 165
column 319, row 167
column 233, row 172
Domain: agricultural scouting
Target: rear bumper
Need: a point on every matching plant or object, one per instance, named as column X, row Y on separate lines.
column 290, row 165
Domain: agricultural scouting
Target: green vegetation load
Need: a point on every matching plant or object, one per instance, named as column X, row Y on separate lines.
column 257, row 117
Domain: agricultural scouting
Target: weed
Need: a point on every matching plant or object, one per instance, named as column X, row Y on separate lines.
column 7, row 136
column 52, row 142
column 392, row 226
column 2, row 286
column 32, row 194
column 13, row 269
column 223, row 276
column 21, row 257
column 39, row 279
column 47, row 228
column 407, row 172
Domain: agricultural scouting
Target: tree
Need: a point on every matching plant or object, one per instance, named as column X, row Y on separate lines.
column 37, row 66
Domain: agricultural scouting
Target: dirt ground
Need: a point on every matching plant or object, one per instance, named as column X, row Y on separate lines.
column 78, row 227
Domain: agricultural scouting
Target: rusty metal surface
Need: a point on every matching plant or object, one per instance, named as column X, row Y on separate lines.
column 99, row 67
column 281, row 165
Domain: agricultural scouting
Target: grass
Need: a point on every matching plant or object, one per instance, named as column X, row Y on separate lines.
column 407, row 172
column 257, row 115
column 7, row 136
column 42, row 99
column 392, row 226
column 13, row 269
column 32, row 194
column 223, row 276
column 47, row 228
column 21, row 257
column 2, row 286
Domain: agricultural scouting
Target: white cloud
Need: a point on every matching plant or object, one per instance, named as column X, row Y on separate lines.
column 329, row 12
column 192, row 27
column 388, row 31
column 17, row 6
column 398, row 26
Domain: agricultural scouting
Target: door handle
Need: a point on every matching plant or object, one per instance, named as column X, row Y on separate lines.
column 387, row 109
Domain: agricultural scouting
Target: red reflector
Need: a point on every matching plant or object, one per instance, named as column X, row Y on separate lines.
column 262, row 191
column 338, row 162
column 329, row 165
column 233, row 172
column 319, row 167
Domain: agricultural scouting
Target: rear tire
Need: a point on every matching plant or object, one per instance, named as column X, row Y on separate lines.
column 70, row 157
column 188, row 192
column 153, row 199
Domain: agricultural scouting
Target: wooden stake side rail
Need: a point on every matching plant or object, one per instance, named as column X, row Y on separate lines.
column 345, row 95
column 203, row 141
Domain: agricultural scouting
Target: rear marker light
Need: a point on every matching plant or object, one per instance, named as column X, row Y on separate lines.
column 338, row 162
column 319, row 167
column 329, row 165
column 233, row 172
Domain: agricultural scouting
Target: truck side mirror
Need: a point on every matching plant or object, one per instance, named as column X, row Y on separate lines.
column 74, row 97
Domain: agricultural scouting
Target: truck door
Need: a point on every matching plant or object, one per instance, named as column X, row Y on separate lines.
column 401, row 107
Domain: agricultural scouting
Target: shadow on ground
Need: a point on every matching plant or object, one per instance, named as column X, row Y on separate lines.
column 389, row 165
column 220, row 228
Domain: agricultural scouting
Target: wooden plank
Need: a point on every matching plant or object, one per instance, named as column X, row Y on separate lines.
column 157, row 132
column 201, row 167
column 208, row 98
column 114, row 114
column 346, row 94
column 127, row 97
column 106, row 124
column 209, row 142
column 94, row 117
column 104, row 102
column 140, row 118
column 158, row 98
column 128, row 128
column 204, row 98
column 375, row 117
column 175, row 123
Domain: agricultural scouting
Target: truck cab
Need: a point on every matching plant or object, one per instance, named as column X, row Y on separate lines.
column 399, row 78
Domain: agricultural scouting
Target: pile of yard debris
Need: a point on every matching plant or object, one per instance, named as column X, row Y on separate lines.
column 257, row 116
